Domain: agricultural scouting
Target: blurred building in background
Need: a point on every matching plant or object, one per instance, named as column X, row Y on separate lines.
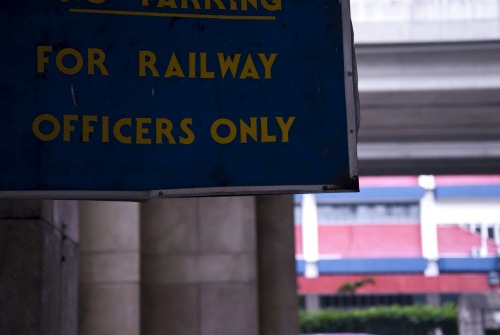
column 429, row 83
column 401, row 240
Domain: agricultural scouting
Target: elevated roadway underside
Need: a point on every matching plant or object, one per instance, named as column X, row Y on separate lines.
column 429, row 108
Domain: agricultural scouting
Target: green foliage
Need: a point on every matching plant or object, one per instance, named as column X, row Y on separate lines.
column 352, row 287
column 382, row 320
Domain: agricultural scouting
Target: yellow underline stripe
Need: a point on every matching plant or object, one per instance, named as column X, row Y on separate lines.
column 192, row 16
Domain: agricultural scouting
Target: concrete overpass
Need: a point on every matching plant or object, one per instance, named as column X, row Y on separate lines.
column 429, row 90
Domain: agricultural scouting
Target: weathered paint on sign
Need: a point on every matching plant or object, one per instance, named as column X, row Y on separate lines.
column 118, row 98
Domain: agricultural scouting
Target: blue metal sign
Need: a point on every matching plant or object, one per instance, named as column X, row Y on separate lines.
column 139, row 98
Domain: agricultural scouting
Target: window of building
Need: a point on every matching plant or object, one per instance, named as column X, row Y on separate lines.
column 365, row 213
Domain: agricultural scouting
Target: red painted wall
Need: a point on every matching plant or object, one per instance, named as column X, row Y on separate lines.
column 411, row 284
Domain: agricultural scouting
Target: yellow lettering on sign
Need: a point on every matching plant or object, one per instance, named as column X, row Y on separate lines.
column 70, row 61
column 78, row 60
column 68, row 126
column 218, row 3
column 41, row 50
column 166, row 3
column 46, row 137
column 96, row 57
column 264, row 132
column 196, row 4
column 248, row 130
column 199, row 65
column 105, row 129
column 244, row 4
column 190, row 137
column 285, row 127
column 140, row 130
column 117, row 130
column 87, row 128
column 214, row 131
column 224, row 131
column 224, row 9
column 192, row 65
column 203, row 67
column 164, row 129
column 249, row 70
column 174, row 68
column 272, row 6
column 147, row 59
column 145, row 130
column 228, row 63
column 268, row 63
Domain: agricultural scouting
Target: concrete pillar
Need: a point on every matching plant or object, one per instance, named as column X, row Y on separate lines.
column 470, row 314
column 278, row 302
column 38, row 267
column 310, row 243
column 428, row 226
column 496, row 233
column 109, row 268
column 198, row 266
column 312, row 302
column 484, row 240
column 433, row 299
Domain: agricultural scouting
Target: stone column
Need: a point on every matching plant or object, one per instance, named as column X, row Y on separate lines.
column 198, row 266
column 109, row 268
column 312, row 302
column 38, row 267
column 278, row 302
column 470, row 313
column 433, row 299
column 310, row 242
column 428, row 226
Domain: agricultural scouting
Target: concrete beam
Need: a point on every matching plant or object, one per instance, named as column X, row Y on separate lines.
column 429, row 108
